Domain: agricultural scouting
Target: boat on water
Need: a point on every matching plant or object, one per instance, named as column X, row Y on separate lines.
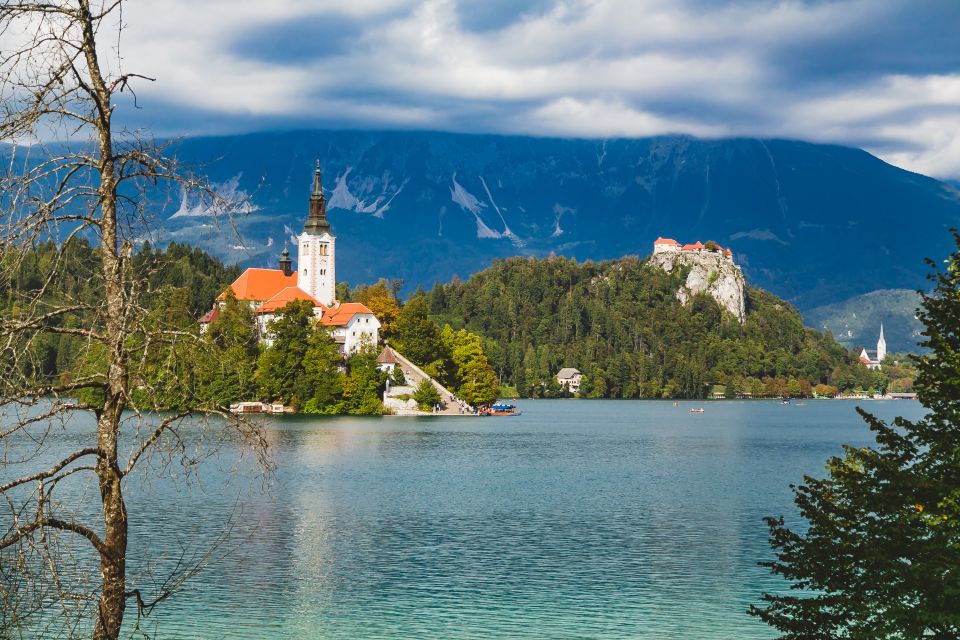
column 500, row 409
column 257, row 407
column 696, row 410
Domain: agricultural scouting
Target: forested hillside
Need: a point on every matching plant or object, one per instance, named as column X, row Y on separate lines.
column 178, row 282
column 620, row 323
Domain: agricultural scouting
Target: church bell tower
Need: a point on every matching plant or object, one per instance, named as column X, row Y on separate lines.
column 316, row 264
column 881, row 346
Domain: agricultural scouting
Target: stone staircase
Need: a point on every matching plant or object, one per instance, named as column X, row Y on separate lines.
column 450, row 405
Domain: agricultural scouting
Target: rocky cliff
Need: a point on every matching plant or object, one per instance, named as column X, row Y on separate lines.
column 710, row 272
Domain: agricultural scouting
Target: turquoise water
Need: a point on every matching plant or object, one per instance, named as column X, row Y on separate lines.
column 578, row 519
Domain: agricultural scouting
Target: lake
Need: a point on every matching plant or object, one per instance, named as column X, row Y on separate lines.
column 578, row 519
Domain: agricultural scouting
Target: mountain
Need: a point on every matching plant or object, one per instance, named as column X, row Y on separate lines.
column 856, row 322
column 815, row 224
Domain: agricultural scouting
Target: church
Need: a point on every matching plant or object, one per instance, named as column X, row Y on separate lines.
column 873, row 359
column 267, row 291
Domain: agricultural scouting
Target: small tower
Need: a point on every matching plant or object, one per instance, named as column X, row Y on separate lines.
column 316, row 263
column 286, row 265
column 881, row 346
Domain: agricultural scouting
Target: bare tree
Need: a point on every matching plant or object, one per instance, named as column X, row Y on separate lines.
column 91, row 183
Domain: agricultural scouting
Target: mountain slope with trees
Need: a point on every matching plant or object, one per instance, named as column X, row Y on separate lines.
column 620, row 323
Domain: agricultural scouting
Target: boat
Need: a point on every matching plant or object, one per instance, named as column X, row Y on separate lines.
column 696, row 410
column 258, row 407
column 500, row 409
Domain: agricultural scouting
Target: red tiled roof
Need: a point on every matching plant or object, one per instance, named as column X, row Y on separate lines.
column 689, row 247
column 669, row 241
column 386, row 356
column 285, row 296
column 210, row 316
column 864, row 359
column 260, row 284
column 341, row 315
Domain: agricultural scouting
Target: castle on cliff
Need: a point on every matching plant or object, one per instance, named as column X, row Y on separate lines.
column 712, row 271
column 669, row 245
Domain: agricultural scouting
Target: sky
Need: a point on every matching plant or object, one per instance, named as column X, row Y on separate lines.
column 883, row 75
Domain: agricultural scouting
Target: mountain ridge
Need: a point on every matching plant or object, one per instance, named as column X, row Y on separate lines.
column 813, row 223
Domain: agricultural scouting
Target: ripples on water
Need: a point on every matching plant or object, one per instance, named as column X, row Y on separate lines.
column 579, row 519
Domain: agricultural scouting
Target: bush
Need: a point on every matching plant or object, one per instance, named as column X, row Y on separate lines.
column 426, row 395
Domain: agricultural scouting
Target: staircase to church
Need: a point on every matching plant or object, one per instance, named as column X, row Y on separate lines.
column 450, row 405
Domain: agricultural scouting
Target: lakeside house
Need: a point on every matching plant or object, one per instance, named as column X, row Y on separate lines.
column 569, row 378
column 873, row 358
column 267, row 291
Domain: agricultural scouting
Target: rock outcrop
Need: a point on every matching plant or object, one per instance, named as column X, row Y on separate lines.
column 710, row 272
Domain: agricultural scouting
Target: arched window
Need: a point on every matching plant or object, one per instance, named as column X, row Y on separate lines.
column 304, row 273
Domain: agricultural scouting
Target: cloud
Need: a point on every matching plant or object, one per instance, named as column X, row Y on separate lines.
column 884, row 76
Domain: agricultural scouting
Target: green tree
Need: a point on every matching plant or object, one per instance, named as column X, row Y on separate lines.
column 426, row 395
column 227, row 359
column 323, row 380
column 364, row 384
column 475, row 380
column 880, row 557
column 280, row 368
column 416, row 336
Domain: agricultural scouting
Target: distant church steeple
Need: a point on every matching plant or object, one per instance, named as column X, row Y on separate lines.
column 881, row 346
column 316, row 258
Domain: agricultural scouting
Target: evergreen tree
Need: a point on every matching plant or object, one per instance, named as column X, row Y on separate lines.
column 323, row 379
column 880, row 558
column 417, row 336
column 475, row 380
column 281, row 374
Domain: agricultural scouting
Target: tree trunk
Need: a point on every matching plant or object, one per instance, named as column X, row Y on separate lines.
column 113, row 558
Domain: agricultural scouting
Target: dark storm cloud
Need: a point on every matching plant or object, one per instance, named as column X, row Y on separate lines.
column 300, row 40
column 885, row 75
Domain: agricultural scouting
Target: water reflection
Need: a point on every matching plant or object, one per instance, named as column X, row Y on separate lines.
column 579, row 519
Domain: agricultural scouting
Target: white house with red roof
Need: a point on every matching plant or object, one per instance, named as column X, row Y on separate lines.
column 267, row 291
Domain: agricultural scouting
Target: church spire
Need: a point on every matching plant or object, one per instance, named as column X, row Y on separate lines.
column 317, row 219
column 881, row 346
